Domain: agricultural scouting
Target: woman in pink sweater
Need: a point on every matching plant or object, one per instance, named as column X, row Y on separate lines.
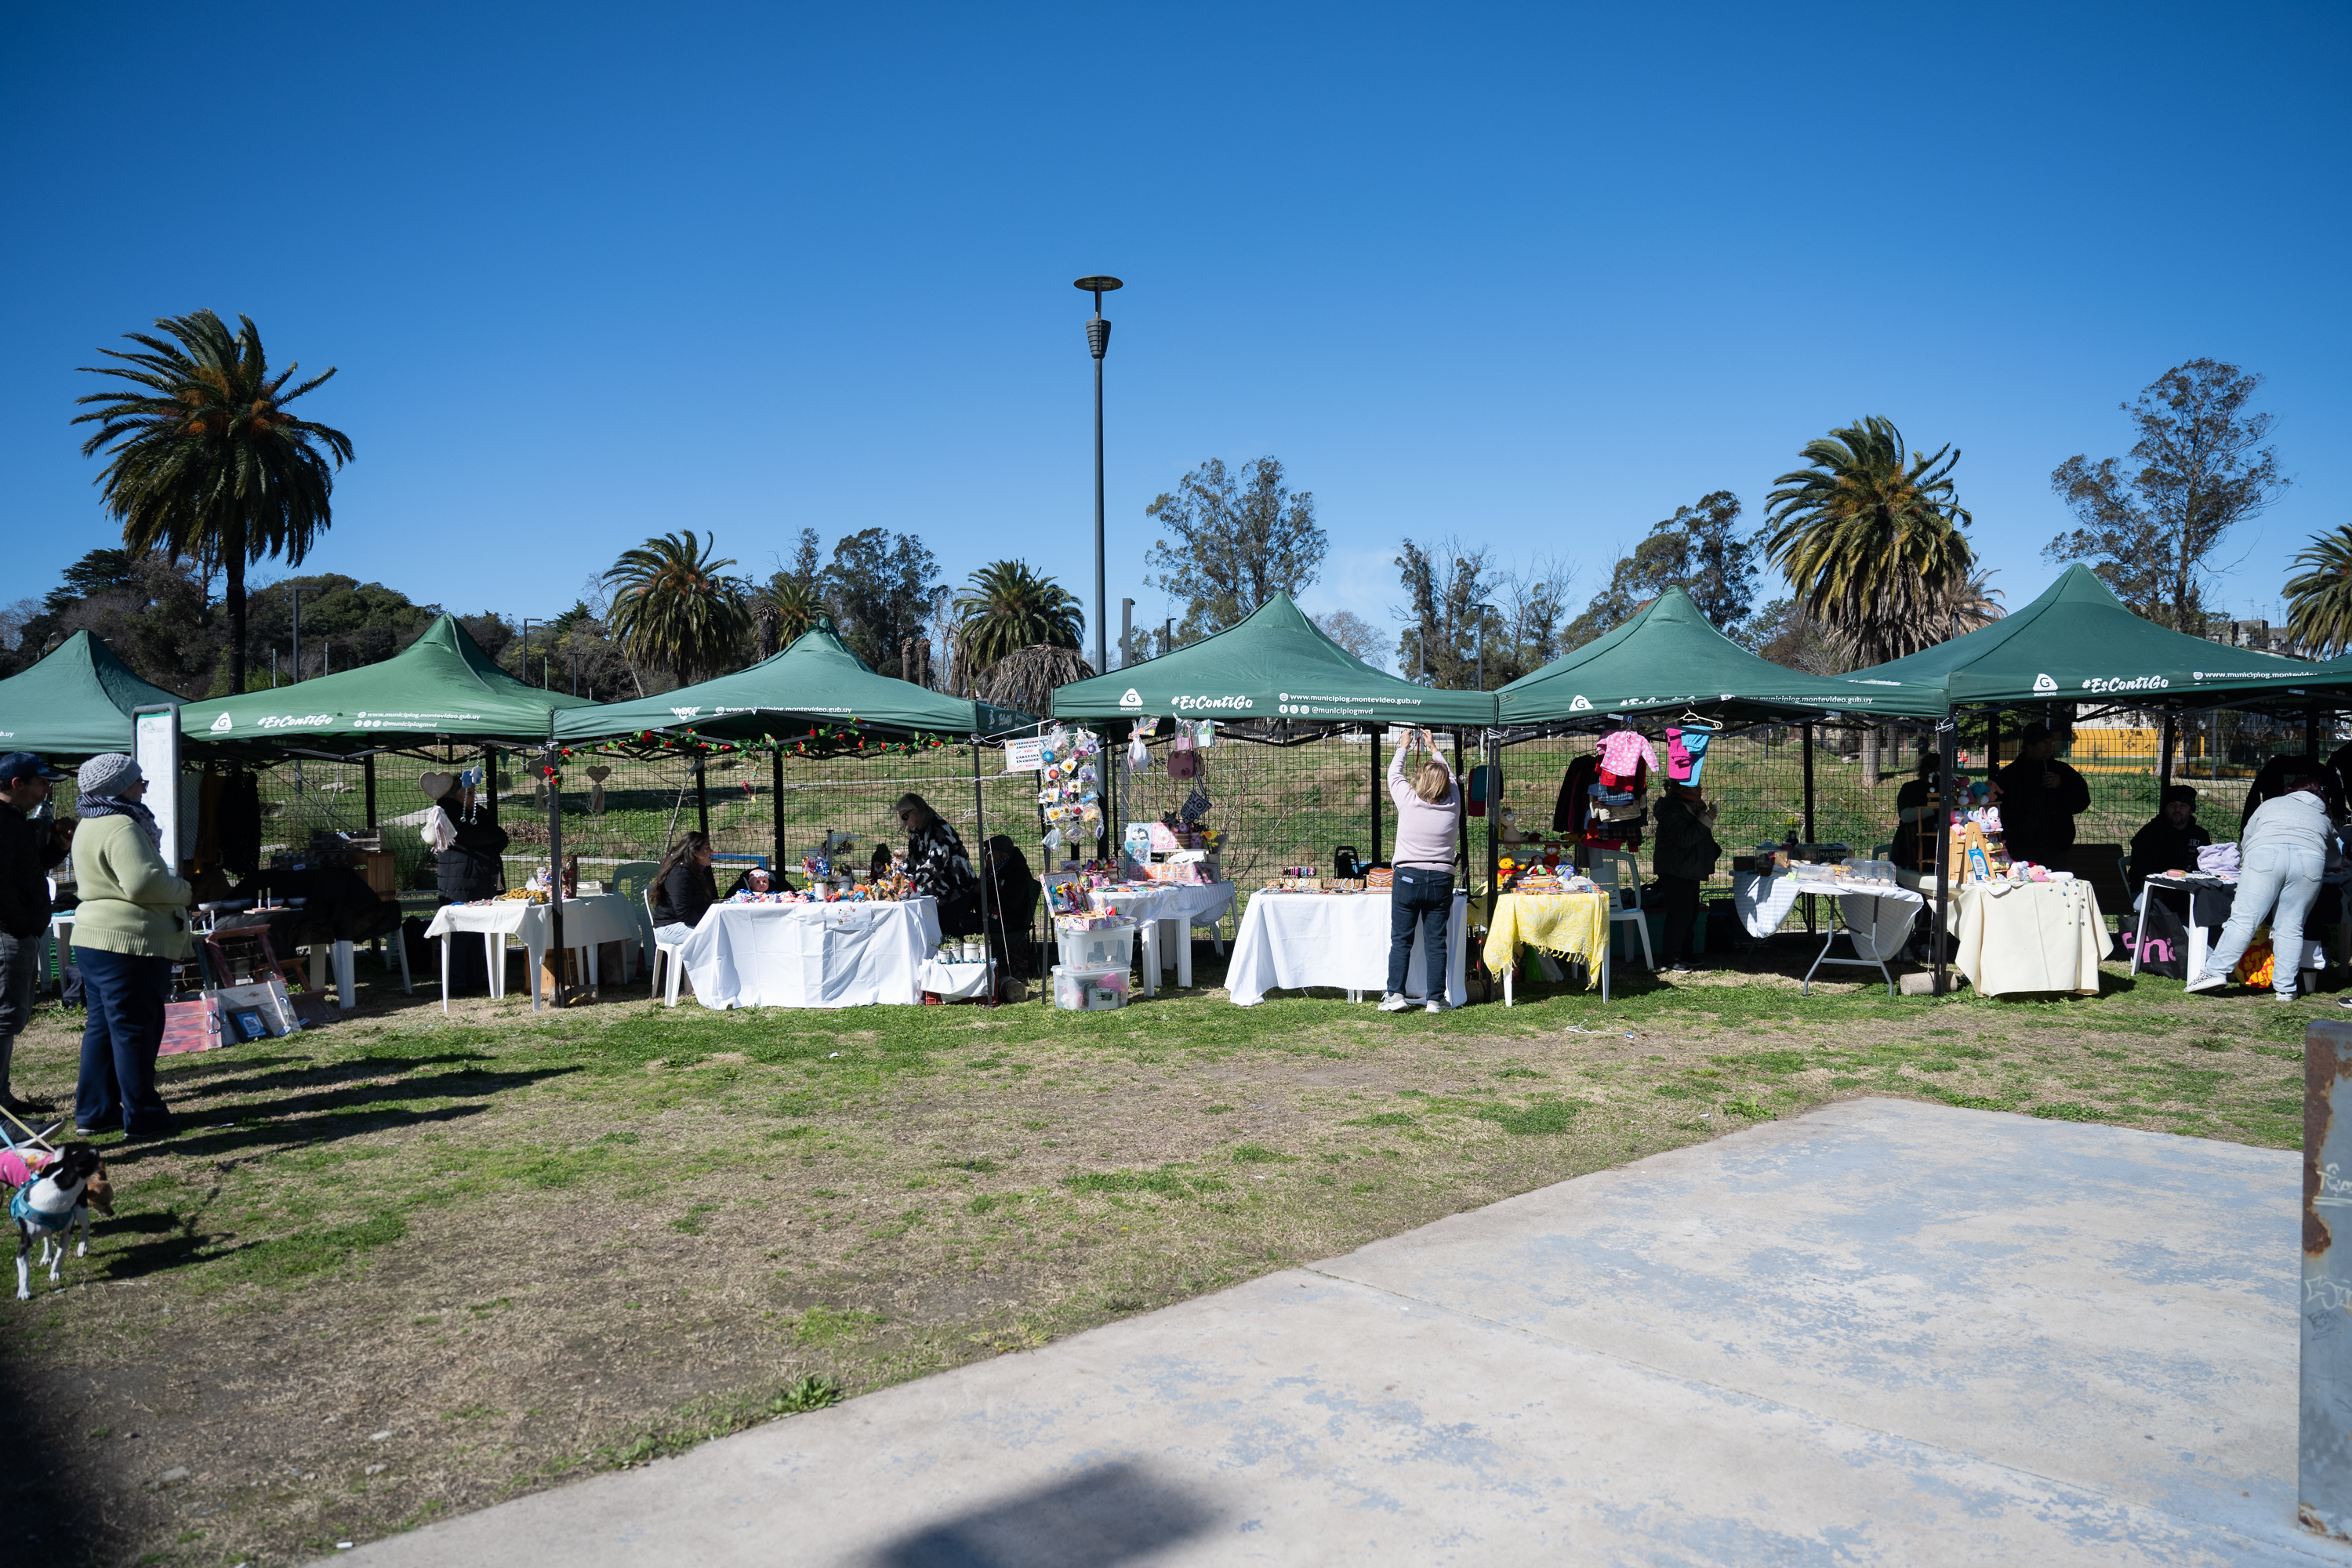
column 1429, row 816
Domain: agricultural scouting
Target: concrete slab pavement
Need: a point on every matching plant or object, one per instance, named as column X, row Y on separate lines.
column 1879, row 1333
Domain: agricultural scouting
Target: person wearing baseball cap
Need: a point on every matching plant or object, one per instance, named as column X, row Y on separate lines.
column 28, row 849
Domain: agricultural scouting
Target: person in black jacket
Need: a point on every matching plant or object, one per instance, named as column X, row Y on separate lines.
column 940, row 866
column 2170, row 840
column 470, row 867
column 684, row 888
column 27, row 849
column 1684, row 856
column 2040, row 799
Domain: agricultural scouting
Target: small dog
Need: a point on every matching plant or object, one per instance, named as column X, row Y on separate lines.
column 47, row 1207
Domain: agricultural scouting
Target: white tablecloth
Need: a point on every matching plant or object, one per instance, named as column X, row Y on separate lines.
column 2039, row 936
column 953, row 981
column 1200, row 904
column 1342, row 939
column 1880, row 921
column 588, row 922
column 811, row 955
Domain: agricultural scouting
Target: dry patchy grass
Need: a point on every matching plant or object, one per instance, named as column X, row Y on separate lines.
column 411, row 1265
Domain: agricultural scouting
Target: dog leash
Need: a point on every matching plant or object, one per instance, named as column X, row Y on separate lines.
column 42, row 1138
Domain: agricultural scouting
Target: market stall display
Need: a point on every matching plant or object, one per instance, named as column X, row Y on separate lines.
column 1874, row 910
column 2020, row 936
column 589, row 921
column 785, row 951
column 1293, row 939
column 1564, row 923
column 2181, row 911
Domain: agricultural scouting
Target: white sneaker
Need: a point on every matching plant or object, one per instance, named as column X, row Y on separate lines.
column 1392, row 1003
column 2205, row 982
column 1434, row 1004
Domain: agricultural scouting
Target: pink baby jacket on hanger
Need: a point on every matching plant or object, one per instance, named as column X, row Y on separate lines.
column 1622, row 752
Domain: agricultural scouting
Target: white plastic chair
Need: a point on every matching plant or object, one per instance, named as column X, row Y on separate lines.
column 629, row 879
column 1620, row 876
column 662, row 951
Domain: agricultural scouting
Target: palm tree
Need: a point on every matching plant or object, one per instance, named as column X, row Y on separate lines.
column 1024, row 678
column 1009, row 608
column 785, row 607
column 1978, row 604
column 674, row 604
column 1870, row 538
column 205, row 463
column 2319, row 602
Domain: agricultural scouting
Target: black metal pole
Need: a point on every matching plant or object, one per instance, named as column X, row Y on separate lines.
column 1494, row 816
column 550, row 771
column 701, row 796
column 776, row 815
column 988, row 873
column 367, row 772
column 1461, row 817
column 2164, row 755
column 1947, row 739
column 1807, row 732
column 1376, row 796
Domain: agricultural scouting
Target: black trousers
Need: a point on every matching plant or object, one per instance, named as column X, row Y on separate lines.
column 1678, row 897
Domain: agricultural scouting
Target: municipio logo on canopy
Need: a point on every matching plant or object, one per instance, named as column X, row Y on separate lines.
column 1582, row 704
column 223, row 722
column 2043, row 683
column 1131, row 698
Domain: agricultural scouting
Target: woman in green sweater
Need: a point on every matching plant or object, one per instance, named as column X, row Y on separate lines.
column 130, row 928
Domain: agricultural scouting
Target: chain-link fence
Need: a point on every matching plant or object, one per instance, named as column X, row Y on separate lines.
column 1276, row 805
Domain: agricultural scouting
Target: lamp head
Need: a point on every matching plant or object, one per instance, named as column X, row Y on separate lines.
column 1097, row 287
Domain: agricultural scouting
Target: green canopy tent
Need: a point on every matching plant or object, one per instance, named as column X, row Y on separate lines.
column 1668, row 660
column 440, row 691
column 817, row 679
column 814, row 696
column 1277, row 680
column 2078, row 645
column 1668, row 657
column 74, row 703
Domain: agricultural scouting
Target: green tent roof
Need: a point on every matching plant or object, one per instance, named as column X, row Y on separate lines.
column 2077, row 643
column 1276, row 663
column 76, row 702
column 817, row 677
column 441, row 684
column 1668, row 655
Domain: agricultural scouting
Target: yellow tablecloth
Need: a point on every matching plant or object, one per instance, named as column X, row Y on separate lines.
column 2041, row 936
column 1566, row 925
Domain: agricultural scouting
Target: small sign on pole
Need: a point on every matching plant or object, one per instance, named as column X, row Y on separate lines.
column 1024, row 756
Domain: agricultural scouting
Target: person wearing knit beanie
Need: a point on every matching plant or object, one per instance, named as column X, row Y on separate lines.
column 108, row 775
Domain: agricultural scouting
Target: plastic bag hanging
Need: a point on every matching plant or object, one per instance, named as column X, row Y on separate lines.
column 1139, row 754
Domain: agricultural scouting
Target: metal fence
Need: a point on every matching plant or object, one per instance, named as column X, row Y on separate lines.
column 1276, row 805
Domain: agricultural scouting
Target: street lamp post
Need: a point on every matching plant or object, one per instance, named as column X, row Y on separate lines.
column 1484, row 611
column 522, row 666
column 1098, row 344
column 296, row 594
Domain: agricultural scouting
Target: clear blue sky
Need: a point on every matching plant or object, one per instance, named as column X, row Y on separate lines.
column 1531, row 277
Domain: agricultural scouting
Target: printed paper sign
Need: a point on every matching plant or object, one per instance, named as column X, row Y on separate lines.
column 1024, row 756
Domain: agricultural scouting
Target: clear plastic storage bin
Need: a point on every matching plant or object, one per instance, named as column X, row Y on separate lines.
column 1081, row 988
column 1112, row 945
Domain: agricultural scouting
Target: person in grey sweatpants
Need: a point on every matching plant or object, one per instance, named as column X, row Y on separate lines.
column 2287, row 846
column 29, row 849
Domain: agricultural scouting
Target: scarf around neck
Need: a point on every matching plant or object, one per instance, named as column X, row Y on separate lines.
column 90, row 805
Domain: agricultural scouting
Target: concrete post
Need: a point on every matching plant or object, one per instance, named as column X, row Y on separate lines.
column 2324, row 1481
